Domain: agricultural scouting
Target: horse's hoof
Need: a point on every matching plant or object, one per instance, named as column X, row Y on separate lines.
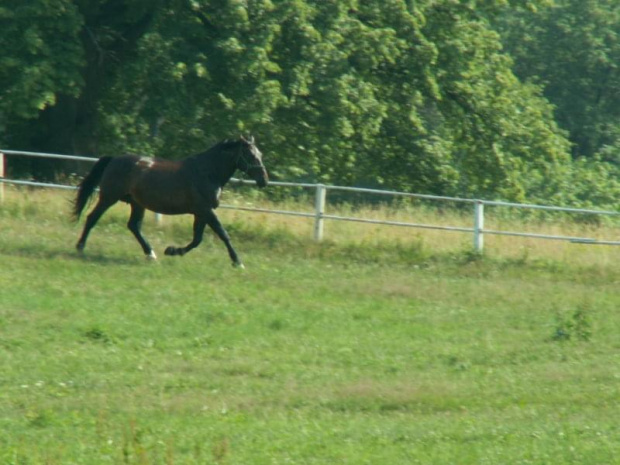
column 170, row 251
column 239, row 265
column 152, row 256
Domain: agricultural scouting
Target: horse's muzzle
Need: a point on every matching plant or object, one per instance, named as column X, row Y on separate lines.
column 261, row 177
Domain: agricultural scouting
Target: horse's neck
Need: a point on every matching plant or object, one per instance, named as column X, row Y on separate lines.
column 219, row 167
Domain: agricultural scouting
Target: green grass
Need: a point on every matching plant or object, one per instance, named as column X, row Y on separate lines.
column 378, row 352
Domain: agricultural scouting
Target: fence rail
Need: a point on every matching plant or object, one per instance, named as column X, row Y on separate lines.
column 477, row 229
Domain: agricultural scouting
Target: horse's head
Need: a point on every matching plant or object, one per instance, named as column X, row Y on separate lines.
column 250, row 161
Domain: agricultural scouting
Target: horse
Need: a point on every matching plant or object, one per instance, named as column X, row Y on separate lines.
column 192, row 185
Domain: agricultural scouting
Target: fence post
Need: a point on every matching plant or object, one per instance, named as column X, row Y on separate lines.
column 1, row 176
column 319, row 207
column 479, row 226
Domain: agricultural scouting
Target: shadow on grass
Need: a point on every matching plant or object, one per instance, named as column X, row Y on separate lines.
column 38, row 251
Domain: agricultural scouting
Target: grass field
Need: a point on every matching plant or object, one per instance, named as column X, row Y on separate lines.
column 399, row 349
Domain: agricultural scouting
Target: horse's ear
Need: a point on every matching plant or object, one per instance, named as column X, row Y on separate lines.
column 251, row 140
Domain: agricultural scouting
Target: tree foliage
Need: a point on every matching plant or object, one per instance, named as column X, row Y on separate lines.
column 573, row 49
column 394, row 93
column 41, row 56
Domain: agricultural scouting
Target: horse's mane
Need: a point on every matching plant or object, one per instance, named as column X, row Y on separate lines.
column 220, row 146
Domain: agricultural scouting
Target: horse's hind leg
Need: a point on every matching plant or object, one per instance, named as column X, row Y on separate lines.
column 134, row 224
column 91, row 221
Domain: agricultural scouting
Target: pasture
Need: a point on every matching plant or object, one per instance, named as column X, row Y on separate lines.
column 402, row 348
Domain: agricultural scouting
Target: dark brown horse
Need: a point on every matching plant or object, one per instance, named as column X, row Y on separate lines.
column 192, row 185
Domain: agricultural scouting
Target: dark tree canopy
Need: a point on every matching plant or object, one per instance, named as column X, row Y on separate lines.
column 446, row 97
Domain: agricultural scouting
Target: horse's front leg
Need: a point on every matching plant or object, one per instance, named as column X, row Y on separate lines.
column 200, row 221
column 199, row 228
column 213, row 221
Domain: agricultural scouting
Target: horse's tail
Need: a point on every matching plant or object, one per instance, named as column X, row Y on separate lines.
column 88, row 185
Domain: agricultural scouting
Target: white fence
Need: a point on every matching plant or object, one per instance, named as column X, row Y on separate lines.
column 319, row 215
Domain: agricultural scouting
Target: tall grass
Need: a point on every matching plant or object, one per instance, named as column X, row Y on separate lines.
column 27, row 203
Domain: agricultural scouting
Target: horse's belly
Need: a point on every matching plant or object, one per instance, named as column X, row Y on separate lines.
column 163, row 204
column 171, row 200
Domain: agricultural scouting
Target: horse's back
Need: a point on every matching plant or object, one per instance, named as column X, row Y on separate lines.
column 160, row 185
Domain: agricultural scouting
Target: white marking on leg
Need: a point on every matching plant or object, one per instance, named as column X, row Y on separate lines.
column 151, row 256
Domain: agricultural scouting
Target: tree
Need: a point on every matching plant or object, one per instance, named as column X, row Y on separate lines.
column 68, row 51
column 502, row 132
column 573, row 49
column 41, row 58
column 394, row 93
